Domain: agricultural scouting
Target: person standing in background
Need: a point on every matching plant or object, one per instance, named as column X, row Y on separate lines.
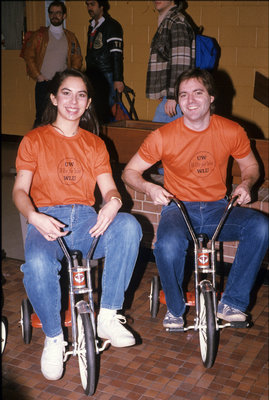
column 172, row 52
column 104, row 59
column 50, row 50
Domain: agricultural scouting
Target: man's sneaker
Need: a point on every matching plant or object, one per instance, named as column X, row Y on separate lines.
column 230, row 314
column 52, row 357
column 110, row 326
column 173, row 322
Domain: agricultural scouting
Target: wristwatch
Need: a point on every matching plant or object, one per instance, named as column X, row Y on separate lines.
column 117, row 198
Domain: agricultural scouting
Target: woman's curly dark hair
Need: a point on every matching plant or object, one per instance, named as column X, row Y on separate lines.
column 88, row 120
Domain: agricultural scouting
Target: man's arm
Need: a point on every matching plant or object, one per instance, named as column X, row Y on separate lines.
column 119, row 86
column 115, row 45
column 30, row 55
column 181, row 59
column 181, row 53
column 249, row 173
column 74, row 50
column 132, row 176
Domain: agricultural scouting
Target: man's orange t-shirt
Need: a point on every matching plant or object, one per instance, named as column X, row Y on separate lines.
column 64, row 168
column 195, row 163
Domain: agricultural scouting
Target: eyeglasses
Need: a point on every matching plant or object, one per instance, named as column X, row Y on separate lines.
column 58, row 13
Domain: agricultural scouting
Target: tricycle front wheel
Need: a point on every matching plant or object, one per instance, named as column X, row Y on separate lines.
column 208, row 335
column 86, row 353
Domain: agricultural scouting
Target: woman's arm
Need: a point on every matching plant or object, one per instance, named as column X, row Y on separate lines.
column 49, row 227
column 112, row 205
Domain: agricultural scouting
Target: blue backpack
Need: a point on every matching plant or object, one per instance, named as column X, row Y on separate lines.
column 207, row 52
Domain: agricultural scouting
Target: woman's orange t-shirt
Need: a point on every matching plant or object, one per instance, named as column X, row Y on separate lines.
column 64, row 168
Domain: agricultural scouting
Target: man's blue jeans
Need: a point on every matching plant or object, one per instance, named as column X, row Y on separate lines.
column 119, row 245
column 248, row 226
column 160, row 114
column 112, row 92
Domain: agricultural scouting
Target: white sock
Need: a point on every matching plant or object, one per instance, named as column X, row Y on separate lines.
column 55, row 339
column 106, row 312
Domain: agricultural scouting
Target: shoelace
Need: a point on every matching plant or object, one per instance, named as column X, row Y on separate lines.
column 170, row 315
column 51, row 346
column 120, row 318
column 227, row 308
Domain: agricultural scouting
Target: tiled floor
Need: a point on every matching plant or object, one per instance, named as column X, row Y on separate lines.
column 161, row 366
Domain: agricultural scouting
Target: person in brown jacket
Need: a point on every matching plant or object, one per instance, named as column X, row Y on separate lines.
column 49, row 50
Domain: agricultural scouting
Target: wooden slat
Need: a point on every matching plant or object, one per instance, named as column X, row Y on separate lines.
column 126, row 137
column 261, row 89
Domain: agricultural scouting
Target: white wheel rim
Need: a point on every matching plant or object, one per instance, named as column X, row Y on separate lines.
column 3, row 336
column 21, row 322
column 83, row 370
column 151, row 296
column 202, row 328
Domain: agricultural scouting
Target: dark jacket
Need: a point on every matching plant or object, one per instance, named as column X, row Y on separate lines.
column 105, row 48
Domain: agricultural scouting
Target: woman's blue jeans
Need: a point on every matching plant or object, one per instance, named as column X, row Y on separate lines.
column 248, row 226
column 119, row 245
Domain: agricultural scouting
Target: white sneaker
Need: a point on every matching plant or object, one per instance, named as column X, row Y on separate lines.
column 110, row 326
column 52, row 357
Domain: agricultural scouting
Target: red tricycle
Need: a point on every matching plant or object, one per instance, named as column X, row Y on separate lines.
column 204, row 297
column 80, row 316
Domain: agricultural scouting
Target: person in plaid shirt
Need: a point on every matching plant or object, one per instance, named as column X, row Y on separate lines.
column 172, row 52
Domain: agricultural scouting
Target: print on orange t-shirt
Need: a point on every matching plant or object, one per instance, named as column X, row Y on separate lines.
column 70, row 171
column 202, row 164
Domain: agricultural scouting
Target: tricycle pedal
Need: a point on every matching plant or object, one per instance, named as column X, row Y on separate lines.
column 175, row 329
column 239, row 324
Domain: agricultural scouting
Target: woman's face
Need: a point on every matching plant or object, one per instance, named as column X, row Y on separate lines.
column 71, row 99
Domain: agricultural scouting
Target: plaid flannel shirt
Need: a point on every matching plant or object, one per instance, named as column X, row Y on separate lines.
column 172, row 52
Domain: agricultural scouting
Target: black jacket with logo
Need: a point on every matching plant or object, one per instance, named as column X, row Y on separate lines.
column 105, row 48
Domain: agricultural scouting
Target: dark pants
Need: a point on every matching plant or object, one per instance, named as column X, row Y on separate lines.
column 102, row 90
column 248, row 226
column 41, row 99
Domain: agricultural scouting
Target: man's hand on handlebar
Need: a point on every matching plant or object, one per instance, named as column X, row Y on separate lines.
column 159, row 195
column 243, row 193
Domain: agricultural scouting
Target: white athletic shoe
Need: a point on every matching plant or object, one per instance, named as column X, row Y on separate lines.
column 52, row 357
column 110, row 326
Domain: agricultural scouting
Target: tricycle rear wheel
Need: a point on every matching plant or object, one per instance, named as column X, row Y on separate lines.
column 154, row 300
column 26, row 311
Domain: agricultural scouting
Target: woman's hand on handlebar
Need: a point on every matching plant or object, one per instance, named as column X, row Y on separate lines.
column 48, row 226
